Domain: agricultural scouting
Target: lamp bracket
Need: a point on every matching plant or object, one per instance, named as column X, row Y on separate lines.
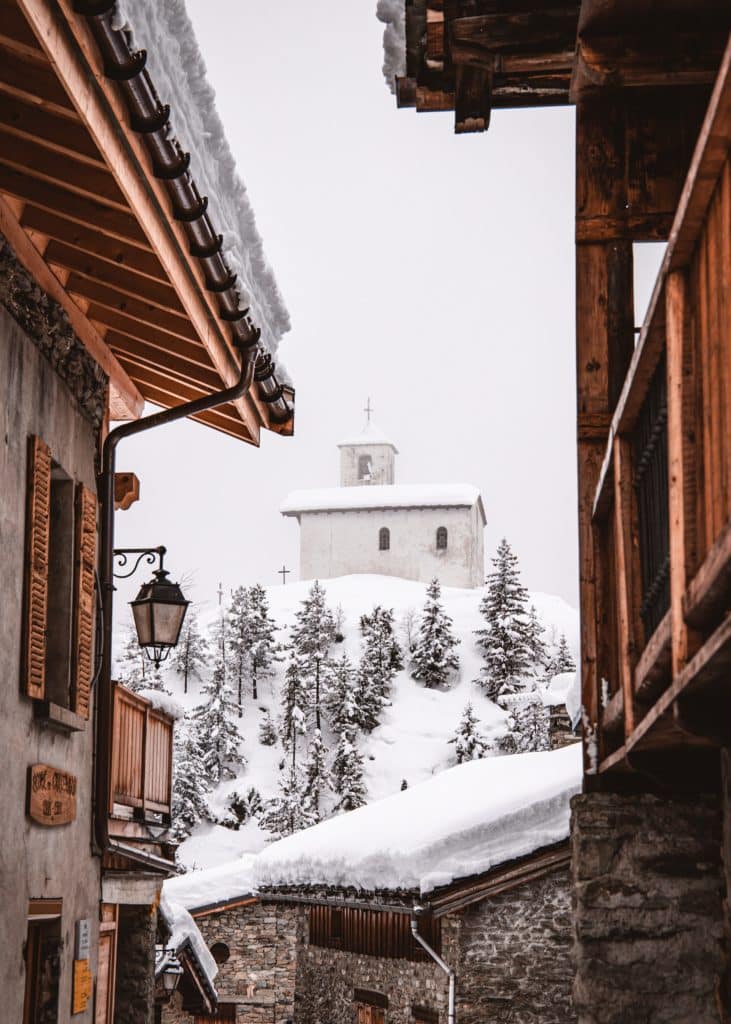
column 150, row 555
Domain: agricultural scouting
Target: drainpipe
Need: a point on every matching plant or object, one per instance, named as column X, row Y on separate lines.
column 438, row 961
column 104, row 711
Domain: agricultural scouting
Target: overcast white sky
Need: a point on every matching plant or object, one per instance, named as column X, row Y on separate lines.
column 431, row 272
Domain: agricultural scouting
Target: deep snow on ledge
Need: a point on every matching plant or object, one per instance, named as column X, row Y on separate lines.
column 380, row 496
column 462, row 822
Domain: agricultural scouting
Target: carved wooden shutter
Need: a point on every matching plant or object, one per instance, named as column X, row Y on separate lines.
column 83, row 636
column 36, row 567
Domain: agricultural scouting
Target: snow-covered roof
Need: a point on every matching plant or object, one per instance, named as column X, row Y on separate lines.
column 369, row 435
column 336, row 499
column 178, row 70
column 557, row 691
column 462, row 822
column 184, row 933
column 393, row 14
column 229, row 881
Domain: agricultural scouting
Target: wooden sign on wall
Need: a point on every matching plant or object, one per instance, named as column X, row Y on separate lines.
column 82, row 987
column 51, row 795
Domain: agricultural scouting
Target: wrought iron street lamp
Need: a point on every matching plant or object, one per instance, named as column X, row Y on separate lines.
column 160, row 606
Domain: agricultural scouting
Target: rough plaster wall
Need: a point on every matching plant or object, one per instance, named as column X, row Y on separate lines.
column 36, row 861
column 338, row 543
column 262, row 940
column 383, row 464
column 649, row 919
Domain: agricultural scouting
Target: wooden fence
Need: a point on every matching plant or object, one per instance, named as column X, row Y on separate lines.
column 142, row 755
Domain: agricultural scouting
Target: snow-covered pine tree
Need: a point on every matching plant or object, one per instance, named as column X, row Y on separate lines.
column 530, row 722
column 469, row 743
column 132, row 666
column 347, row 774
column 434, row 657
column 340, row 697
column 504, row 638
column 190, row 780
column 368, row 696
column 219, row 736
column 562, row 660
column 267, row 731
column 380, row 646
column 316, row 774
column 241, row 807
column 288, row 812
column 239, row 639
column 264, row 649
column 293, row 698
column 191, row 654
column 536, row 643
column 154, row 680
column 313, row 634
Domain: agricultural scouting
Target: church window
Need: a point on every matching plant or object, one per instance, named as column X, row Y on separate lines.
column 365, row 467
column 384, row 539
column 442, row 538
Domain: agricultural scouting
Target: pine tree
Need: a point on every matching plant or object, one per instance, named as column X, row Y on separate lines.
column 239, row 639
column 380, row 646
column 154, row 680
column 316, row 774
column 340, row 698
column 264, row 650
column 347, row 774
column 530, row 723
column 191, row 654
column 434, row 657
column 313, row 634
column 288, row 812
column 562, row 660
column 267, row 732
column 368, row 696
column 132, row 666
column 505, row 637
column 294, row 702
column 469, row 743
column 241, row 807
column 219, row 735
column 536, row 643
column 190, row 780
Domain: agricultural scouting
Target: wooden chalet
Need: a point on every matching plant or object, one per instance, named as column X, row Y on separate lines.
column 651, row 87
column 115, row 289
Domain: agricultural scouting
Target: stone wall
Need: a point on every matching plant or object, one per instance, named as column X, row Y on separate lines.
column 259, row 975
column 515, row 955
column 135, row 984
column 649, row 909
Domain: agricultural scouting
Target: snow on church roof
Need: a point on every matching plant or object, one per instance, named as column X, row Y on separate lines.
column 370, row 434
column 380, row 496
column 460, row 823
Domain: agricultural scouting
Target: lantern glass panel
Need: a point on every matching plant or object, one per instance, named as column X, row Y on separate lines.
column 142, row 612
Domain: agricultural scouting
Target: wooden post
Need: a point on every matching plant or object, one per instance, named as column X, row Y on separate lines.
column 626, row 561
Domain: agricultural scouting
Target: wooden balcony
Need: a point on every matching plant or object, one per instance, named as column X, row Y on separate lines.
column 661, row 528
column 142, row 762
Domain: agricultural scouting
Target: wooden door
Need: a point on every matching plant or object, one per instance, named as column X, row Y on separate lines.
column 370, row 1014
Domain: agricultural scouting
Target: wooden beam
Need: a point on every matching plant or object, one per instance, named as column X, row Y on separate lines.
column 136, row 354
column 149, row 323
column 156, row 348
column 652, row 672
column 707, row 596
column 126, row 402
column 648, row 60
column 102, row 295
column 79, row 68
column 626, row 561
column 478, row 39
column 33, row 82
column 56, row 133
column 472, row 99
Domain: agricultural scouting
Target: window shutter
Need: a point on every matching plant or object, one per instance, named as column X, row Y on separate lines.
column 83, row 638
column 36, row 567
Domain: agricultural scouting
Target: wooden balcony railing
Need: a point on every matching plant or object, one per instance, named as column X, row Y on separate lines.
column 142, row 757
column 662, row 509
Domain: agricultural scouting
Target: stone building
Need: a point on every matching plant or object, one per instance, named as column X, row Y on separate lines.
column 114, row 291
column 371, row 524
column 321, row 926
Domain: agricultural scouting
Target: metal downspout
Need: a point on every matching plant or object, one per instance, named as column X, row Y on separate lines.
column 440, row 963
column 104, row 710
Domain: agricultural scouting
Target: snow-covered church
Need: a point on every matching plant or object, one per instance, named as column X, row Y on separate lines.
column 371, row 524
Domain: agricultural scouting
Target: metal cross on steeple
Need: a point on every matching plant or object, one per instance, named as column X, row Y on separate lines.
column 368, row 410
column 283, row 572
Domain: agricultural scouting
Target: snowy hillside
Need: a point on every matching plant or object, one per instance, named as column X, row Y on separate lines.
column 410, row 744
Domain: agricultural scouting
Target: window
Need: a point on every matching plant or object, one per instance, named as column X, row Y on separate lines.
column 42, row 962
column 220, row 952
column 365, row 467
column 384, row 539
column 442, row 538
column 59, row 585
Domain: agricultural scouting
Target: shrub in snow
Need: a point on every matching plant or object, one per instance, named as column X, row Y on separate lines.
column 241, row 807
column 505, row 639
column 469, row 743
column 190, row 780
column 219, row 735
column 191, row 655
column 316, row 774
column 267, row 732
column 288, row 812
column 312, row 636
column 347, row 774
column 339, row 624
column 434, row 658
column 529, row 722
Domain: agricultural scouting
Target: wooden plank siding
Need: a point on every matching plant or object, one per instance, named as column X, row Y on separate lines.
column 381, row 933
column 142, row 755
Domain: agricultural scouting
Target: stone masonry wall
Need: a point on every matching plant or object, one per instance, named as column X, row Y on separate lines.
column 649, row 909
column 259, row 976
column 515, row 955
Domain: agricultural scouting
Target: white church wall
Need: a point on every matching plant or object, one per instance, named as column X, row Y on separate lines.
column 382, row 464
column 340, row 543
